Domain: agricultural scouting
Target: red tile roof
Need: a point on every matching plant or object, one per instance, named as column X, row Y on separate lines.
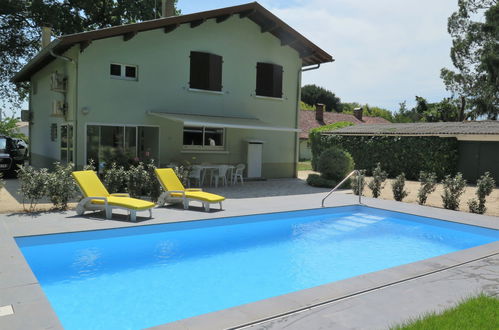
column 308, row 121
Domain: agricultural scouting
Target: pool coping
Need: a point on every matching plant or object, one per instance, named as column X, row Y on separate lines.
column 20, row 288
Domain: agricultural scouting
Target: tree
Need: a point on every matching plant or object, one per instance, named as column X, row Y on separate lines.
column 21, row 22
column 367, row 110
column 474, row 54
column 313, row 94
column 445, row 110
column 8, row 126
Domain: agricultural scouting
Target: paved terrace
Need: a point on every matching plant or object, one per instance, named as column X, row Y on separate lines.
column 371, row 301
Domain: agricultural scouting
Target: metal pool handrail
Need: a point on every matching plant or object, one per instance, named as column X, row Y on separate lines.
column 343, row 181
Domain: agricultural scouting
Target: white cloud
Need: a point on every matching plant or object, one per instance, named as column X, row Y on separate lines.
column 386, row 51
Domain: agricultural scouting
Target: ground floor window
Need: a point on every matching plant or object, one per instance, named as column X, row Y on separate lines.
column 122, row 144
column 66, row 143
column 209, row 138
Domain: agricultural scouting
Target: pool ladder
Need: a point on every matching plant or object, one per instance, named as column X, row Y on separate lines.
column 359, row 178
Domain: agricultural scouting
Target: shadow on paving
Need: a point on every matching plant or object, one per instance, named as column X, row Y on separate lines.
column 269, row 188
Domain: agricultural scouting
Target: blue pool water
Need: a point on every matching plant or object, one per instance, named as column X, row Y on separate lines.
column 138, row 277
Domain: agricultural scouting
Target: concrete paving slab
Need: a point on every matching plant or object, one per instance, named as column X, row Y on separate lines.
column 383, row 298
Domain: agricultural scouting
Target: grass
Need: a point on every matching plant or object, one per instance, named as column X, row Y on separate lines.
column 305, row 166
column 480, row 312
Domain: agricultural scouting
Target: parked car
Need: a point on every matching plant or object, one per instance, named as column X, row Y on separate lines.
column 13, row 152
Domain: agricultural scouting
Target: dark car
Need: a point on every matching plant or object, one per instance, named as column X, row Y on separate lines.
column 13, row 152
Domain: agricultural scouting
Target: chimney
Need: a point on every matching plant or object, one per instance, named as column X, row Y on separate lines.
column 357, row 113
column 167, row 8
column 46, row 36
column 319, row 112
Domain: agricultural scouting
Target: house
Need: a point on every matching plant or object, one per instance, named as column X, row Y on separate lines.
column 220, row 86
column 477, row 141
column 313, row 119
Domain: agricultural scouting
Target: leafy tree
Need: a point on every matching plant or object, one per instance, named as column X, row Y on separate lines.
column 21, row 22
column 445, row 110
column 368, row 111
column 475, row 56
column 313, row 94
column 8, row 126
column 305, row 106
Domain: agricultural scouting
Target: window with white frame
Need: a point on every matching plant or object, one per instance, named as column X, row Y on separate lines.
column 206, row 138
column 123, row 71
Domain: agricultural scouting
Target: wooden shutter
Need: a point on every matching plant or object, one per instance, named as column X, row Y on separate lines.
column 199, row 70
column 215, row 73
column 264, row 79
column 268, row 80
column 277, row 81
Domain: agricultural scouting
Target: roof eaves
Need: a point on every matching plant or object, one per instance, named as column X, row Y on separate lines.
column 309, row 52
column 44, row 54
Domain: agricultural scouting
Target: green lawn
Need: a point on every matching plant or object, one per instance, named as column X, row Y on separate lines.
column 305, row 166
column 480, row 313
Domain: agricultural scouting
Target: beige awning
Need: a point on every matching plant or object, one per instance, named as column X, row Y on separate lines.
column 223, row 122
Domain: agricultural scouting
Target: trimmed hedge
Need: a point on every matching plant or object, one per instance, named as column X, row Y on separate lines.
column 396, row 154
column 315, row 136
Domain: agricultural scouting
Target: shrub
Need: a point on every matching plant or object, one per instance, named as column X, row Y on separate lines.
column 406, row 154
column 60, row 185
column 115, row 178
column 138, row 180
column 399, row 193
column 485, row 185
column 90, row 166
column 318, row 142
column 316, row 180
column 154, row 189
column 355, row 182
column 453, row 189
column 428, row 185
column 335, row 164
column 33, row 185
column 376, row 184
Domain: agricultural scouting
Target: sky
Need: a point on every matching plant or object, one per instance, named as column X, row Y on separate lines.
column 385, row 51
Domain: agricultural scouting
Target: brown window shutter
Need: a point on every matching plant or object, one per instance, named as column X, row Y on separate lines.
column 268, row 80
column 264, row 79
column 277, row 81
column 199, row 76
column 215, row 73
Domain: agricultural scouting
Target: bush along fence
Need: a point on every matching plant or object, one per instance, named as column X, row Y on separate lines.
column 334, row 164
column 59, row 187
column 316, row 140
column 395, row 154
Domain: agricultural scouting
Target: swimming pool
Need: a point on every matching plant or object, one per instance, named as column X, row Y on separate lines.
column 150, row 275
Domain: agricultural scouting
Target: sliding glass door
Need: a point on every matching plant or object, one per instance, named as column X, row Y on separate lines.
column 122, row 144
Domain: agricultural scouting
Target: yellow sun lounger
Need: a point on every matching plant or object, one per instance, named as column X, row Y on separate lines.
column 96, row 197
column 176, row 193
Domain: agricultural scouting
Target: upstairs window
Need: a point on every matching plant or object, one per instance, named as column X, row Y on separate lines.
column 206, row 71
column 269, row 80
column 123, row 71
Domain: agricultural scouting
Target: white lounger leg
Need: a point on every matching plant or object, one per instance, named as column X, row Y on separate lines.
column 109, row 213
column 220, row 205
column 206, row 206
column 133, row 215
column 186, row 204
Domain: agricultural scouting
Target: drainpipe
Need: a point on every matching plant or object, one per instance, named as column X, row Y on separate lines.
column 75, row 126
column 62, row 57
column 312, row 68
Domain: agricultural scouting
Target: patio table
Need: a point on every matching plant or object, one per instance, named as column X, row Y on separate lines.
column 212, row 167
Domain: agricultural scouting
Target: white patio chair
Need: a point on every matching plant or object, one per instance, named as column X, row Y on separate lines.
column 238, row 173
column 220, row 174
column 194, row 175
